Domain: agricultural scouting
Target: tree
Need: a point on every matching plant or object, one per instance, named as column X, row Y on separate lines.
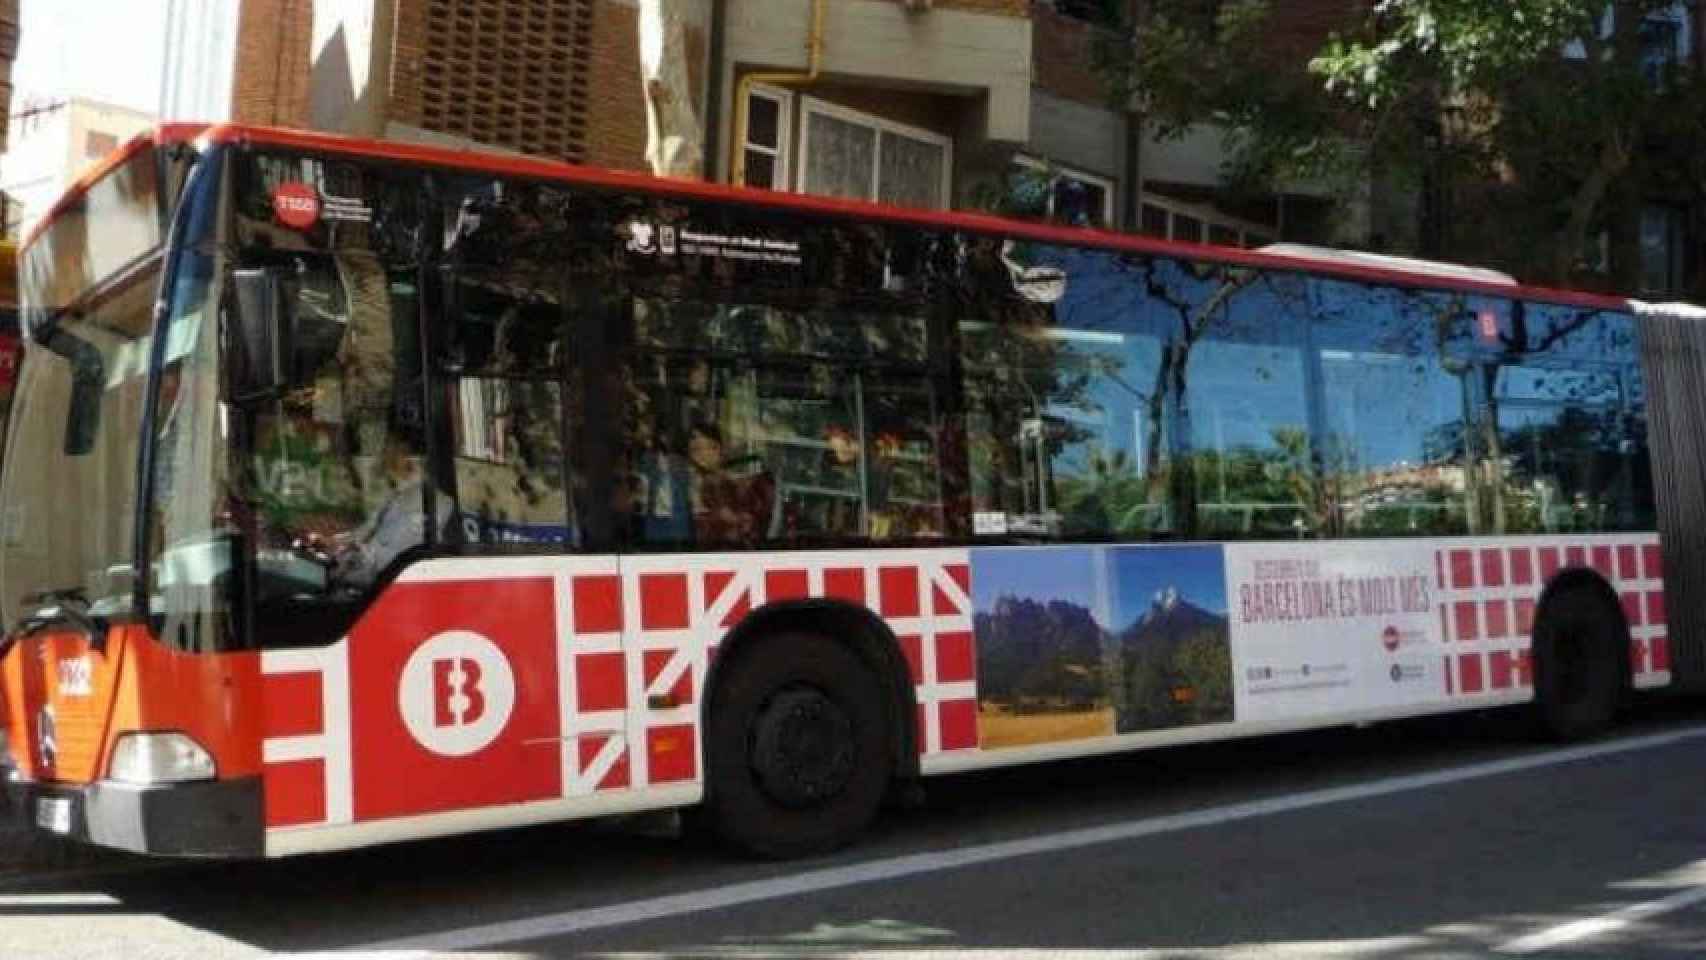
column 1576, row 103
column 1550, row 117
column 1185, row 63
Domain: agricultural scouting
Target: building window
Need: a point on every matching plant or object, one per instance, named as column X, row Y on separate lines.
column 1105, row 13
column 1192, row 224
column 1661, row 249
column 845, row 153
column 97, row 144
column 1665, row 37
column 1064, row 194
column 769, row 116
column 1664, row 42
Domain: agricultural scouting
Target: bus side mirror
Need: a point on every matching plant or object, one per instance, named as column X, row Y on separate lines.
column 262, row 341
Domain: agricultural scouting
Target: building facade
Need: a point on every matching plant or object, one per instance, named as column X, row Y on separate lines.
column 51, row 141
column 938, row 103
column 9, row 31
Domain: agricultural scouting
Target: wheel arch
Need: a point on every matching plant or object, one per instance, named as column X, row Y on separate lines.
column 846, row 623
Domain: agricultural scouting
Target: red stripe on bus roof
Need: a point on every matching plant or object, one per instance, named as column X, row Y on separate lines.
column 161, row 135
column 482, row 162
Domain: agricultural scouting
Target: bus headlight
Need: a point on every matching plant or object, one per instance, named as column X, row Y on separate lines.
column 159, row 758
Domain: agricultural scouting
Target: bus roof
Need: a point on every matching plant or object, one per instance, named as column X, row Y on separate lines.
column 1369, row 268
column 1381, row 261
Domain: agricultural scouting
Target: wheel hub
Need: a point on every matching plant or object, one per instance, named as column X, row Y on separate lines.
column 802, row 747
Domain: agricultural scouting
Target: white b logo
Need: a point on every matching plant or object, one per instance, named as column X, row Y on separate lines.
column 456, row 693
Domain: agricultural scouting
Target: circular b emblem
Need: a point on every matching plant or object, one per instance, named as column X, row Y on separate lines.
column 456, row 693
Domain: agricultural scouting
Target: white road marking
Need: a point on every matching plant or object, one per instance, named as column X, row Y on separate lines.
column 896, row 868
column 1591, row 927
column 66, row 900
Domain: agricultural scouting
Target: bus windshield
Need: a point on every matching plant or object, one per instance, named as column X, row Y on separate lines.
column 69, row 483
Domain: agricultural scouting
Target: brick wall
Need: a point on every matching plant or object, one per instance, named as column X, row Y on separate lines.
column 1297, row 29
column 616, row 116
column 408, row 63
column 1062, row 56
column 616, row 123
column 510, row 73
column 271, row 78
column 1063, row 47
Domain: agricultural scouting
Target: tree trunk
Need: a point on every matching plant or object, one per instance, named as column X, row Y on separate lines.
column 674, row 138
column 1572, row 240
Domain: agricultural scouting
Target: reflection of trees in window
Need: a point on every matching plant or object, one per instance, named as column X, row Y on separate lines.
column 1449, row 413
column 1393, row 449
column 1567, row 411
column 1103, row 414
column 1232, row 375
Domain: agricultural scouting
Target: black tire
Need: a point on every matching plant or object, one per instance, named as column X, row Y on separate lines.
column 1580, row 653
column 798, row 757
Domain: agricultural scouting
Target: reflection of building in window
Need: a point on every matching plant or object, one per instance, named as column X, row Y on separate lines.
column 512, row 477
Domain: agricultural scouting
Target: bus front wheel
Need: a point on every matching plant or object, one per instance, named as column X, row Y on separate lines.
column 1580, row 650
column 798, row 759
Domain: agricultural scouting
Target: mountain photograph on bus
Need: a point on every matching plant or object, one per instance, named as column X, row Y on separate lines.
column 1173, row 658
column 1043, row 652
column 1094, row 641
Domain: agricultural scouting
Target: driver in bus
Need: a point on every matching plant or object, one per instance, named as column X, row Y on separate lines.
column 359, row 556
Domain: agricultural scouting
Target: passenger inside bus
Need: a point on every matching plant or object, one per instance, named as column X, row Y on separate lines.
column 726, row 508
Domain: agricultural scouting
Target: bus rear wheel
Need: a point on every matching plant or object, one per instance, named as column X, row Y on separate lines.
column 1580, row 650
column 798, row 758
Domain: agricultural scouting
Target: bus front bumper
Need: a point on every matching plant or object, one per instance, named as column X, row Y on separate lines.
column 214, row 818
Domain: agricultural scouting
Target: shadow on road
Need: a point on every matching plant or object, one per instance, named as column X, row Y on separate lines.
column 1376, row 884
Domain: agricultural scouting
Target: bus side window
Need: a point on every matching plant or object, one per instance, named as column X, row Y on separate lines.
column 750, row 424
column 510, row 391
column 1251, row 447
column 1394, row 411
column 1067, row 435
column 338, row 473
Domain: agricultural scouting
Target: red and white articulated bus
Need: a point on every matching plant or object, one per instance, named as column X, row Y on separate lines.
column 358, row 492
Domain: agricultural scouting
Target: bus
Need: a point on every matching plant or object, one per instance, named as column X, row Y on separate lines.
column 361, row 492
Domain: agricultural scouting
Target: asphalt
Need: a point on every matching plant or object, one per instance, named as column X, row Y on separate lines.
column 1452, row 868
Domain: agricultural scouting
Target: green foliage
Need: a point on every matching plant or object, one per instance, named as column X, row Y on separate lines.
column 1459, row 92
